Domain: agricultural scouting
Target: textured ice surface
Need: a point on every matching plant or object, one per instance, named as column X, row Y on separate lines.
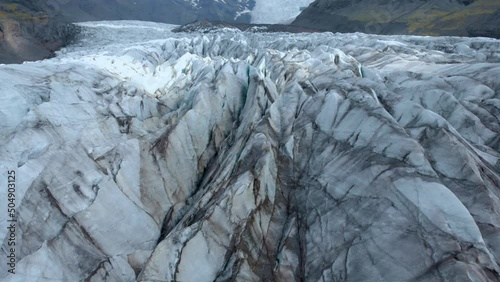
column 148, row 155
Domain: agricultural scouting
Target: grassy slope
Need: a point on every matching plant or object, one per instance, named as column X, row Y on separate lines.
column 428, row 19
column 433, row 17
column 14, row 11
column 30, row 31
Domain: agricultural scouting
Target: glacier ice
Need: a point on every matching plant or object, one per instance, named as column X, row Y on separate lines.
column 276, row 12
column 148, row 155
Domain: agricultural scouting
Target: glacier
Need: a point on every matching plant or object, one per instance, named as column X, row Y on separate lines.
column 277, row 12
column 147, row 155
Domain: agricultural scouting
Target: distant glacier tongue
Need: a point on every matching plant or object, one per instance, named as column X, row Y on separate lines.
column 147, row 155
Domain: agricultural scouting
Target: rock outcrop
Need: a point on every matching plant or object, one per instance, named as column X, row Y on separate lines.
column 234, row 156
column 28, row 32
column 420, row 17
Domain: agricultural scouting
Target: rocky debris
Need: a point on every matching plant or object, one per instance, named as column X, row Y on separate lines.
column 236, row 156
column 212, row 26
column 206, row 27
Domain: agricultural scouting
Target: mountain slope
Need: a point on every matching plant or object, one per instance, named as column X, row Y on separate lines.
column 29, row 30
column 421, row 17
column 184, row 11
column 147, row 155
column 174, row 11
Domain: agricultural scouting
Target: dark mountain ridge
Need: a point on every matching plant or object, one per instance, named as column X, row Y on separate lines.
column 173, row 11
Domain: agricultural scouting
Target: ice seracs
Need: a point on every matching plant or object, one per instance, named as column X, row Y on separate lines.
column 160, row 156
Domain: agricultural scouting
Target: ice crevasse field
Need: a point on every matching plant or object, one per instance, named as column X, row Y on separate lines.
column 147, row 155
